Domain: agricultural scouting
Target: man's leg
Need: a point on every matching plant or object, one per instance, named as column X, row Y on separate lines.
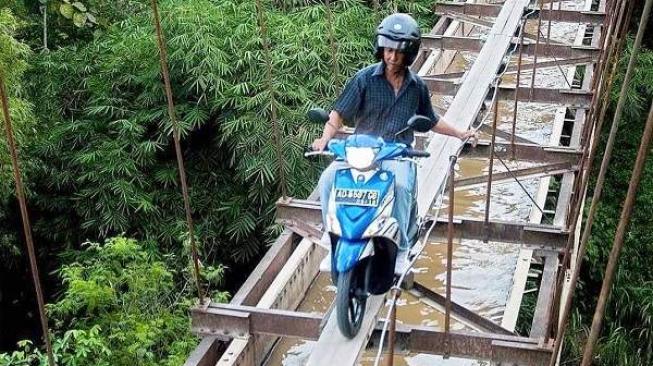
column 405, row 175
column 325, row 184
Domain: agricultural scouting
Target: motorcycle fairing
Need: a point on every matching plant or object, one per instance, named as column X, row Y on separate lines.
column 353, row 219
column 387, row 150
column 348, row 252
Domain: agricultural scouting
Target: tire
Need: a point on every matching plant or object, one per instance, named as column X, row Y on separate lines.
column 350, row 308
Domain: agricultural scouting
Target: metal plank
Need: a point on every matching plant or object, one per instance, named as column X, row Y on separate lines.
column 333, row 348
column 473, row 44
column 206, row 353
column 542, row 315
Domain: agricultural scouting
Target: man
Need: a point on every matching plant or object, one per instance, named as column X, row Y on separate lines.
column 379, row 100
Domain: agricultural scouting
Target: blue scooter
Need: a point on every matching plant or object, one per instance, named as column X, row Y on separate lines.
column 364, row 235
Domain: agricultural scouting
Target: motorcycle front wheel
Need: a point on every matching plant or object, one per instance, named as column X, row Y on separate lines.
column 350, row 306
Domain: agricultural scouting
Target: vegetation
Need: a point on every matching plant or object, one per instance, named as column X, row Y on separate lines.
column 627, row 336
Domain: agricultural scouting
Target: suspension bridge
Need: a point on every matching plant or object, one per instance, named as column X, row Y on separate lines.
column 511, row 43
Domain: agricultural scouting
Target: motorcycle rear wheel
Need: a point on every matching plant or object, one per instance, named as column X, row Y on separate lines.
column 350, row 307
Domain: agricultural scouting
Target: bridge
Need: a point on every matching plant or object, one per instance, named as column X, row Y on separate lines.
column 508, row 41
column 483, row 64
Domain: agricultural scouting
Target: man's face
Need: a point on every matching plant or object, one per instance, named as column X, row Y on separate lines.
column 394, row 60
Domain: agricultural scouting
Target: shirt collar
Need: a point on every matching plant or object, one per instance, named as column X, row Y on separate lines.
column 379, row 70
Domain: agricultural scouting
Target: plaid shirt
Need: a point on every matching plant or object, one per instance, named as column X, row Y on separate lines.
column 369, row 102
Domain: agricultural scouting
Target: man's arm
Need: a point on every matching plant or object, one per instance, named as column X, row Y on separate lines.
column 444, row 128
column 331, row 127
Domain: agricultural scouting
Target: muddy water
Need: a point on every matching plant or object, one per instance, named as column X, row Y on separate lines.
column 482, row 272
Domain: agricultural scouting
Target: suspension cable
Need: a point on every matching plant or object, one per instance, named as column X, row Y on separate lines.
column 27, row 228
column 176, row 137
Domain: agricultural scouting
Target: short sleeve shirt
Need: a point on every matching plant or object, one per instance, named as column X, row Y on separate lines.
column 370, row 103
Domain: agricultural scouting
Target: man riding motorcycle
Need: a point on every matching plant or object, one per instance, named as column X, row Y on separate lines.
column 379, row 100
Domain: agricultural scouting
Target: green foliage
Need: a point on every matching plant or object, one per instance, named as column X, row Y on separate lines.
column 628, row 326
column 13, row 55
column 107, row 137
column 119, row 306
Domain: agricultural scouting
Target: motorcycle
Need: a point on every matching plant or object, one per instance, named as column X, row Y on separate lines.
column 363, row 234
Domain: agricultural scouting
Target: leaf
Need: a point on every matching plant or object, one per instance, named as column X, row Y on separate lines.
column 67, row 10
column 79, row 19
column 79, row 6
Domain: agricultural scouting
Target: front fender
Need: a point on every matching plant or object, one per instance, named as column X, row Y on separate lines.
column 347, row 253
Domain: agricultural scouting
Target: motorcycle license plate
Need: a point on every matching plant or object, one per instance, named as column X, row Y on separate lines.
column 357, row 197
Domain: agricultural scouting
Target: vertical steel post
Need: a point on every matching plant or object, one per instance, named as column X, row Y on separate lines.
column 396, row 292
column 514, row 109
column 548, row 31
column 450, row 229
column 537, row 45
column 488, row 192
column 163, row 53
column 624, row 220
column 27, row 228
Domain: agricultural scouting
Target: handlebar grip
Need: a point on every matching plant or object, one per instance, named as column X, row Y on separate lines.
column 417, row 154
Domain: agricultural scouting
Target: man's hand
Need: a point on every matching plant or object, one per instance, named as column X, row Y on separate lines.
column 320, row 144
column 471, row 135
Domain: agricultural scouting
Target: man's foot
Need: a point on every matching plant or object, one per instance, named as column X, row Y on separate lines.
column 401, row 265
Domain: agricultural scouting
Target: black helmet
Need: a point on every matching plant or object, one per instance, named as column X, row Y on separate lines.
column 401, row 32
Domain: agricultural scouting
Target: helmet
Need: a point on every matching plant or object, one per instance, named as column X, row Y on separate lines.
column 401, row 32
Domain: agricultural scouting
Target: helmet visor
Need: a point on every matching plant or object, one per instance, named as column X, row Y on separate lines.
column 389, row 43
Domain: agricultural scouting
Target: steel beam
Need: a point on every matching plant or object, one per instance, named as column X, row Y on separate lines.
column 524, row 152
column 474, row 44
column 525, row 66
column 291, row 211
column 543, row 308
column 574, row 98
column 240, row 321
column 529, row 234
column 526, row 173
column 488, row 10
column 499, row 349
column 461, row 312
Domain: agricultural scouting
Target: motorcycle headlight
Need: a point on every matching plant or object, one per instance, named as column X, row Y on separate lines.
column 361, row 158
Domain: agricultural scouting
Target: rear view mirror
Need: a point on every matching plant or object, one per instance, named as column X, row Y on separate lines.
column 317, row 115
column 420, row 123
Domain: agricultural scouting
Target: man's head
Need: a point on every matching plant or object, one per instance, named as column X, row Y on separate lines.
column 400, row 33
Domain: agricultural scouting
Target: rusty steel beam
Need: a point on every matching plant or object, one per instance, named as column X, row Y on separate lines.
column 240, row 321
column 488, row 10
column 441, row 86
column 524, row 152
column 474, row 44
column 308, row 212
column 206, row 353
column 513, row 68
column 574, row 98
column 543, row 308
column 537, row 171
column 537, row 235
column 462, row 312
column 499, row 349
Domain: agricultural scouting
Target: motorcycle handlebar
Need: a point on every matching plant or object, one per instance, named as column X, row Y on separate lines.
column 417, row 154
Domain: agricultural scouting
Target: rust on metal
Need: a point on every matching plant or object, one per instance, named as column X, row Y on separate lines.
column 489, row 10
